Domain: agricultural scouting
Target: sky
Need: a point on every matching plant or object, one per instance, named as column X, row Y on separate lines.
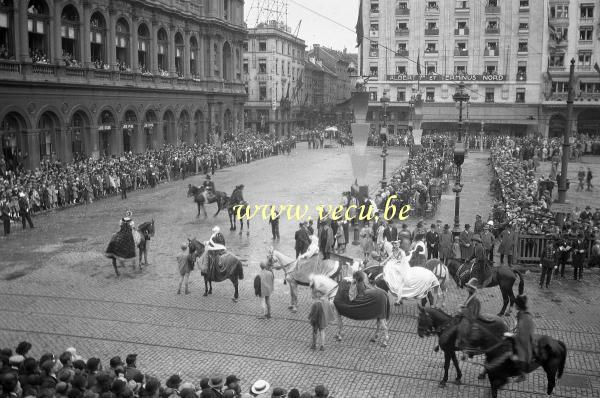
column 316, row 29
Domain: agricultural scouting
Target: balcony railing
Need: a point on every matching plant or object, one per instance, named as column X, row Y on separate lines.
column 44, row 69
column 489, row 100
column 556, row 68
column 402, row 53
column 431, row 51
column 78, row 72
column 402, row 11
column 432, row 10
column 10, row 67
column 492, row 31
column 102, row 74
column 461, row 31
column 432, row 31
column 460, row 52
column 583, row 67
column 429, row 99
column 490, row 53
column 523, row 8
column 401, row 31
column 461, row 9
column 491, row 9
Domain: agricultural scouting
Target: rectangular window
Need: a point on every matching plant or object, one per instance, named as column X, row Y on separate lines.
column 585, row 58
column 431, row 48
column 430, row 67
column 375, row 27
column 489, row 94
column 559, row 11
column 523, row 48
column 520, row 97
column 522, row 72
column 401, row 95
column 430, row 94
column 262, row 65
column 374, row 7
column 401, row 46
column 557, row 60
column 401, row 26
column 491, row 69
column 262, row 46
column 523, row 3
column 431, row 25
column 560, row 87
column 561, row 33
column 374, row 49
column 373, row 70
column 262, row 91
column 245, row 66
column 589, row 88
column 372, row 94
column 523, row 26
column 587, row 11
column 462, row 4
column 460, row 69
column 585, row 33
column 401, row 69
column 245, row 46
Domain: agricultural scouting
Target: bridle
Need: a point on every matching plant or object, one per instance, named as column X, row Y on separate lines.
column 432, row 329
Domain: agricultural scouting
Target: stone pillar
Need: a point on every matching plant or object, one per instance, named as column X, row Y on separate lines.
column 153, row 50
column 56, row 38
column 186, row 54
column 111, row 48
column 66, row 145
column 201, row 59
column 116, row 145
column 32, row 148
column 137, row 143
column 157, row 135
column 23, row 52
column 172, row 51
column 133, row 45
column 211, row 59
column 86, row 55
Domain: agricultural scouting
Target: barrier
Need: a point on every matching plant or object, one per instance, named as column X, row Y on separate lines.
column 528, row 249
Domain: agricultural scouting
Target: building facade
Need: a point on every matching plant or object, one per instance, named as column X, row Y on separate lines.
column 100, row 77
column 497, row 48
column 273, row 69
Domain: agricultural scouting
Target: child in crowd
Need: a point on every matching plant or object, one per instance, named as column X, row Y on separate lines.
column 456, row 248
column 184, row 268
column 267, row 279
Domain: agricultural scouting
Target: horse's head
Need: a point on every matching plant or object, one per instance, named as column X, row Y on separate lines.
column 271, row 259
column 425, row 324
column 195, row 247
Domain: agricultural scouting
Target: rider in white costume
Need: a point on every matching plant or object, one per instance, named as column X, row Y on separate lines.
column 313, row 248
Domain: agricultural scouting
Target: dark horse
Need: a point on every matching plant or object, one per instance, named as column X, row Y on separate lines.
column 435, row 321
column 201, row 198
column 146, row 231
column 502, row 276
column 229, row 267
column 235, row 209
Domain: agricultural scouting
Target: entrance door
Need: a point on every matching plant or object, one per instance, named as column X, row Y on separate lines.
column 105, row 143
column 127, row 139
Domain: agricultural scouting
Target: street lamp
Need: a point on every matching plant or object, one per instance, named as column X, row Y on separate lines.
column 459, row 155
column 383, row 136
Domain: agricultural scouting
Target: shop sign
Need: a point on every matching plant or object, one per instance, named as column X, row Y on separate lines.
column 485, row 78
column 104, row 128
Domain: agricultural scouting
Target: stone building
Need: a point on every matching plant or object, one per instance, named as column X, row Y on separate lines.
column 100, row 77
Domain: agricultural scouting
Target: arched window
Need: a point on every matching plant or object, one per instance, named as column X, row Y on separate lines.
column 48, row 126
column 122, row 45
column 194, row 54
column 11, row 129
column 143, row 48
column 38, row 17
column 226, row 10
column 7, row 21
column 69, row 32
column 238, row 72
column 179, row 54
column 163, row 52
column 98, row 40
column 227, row 62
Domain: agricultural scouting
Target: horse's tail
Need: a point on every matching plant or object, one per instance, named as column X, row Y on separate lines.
column 563, row 359
column 521, row 282
column 257, row 291
column 240, row 270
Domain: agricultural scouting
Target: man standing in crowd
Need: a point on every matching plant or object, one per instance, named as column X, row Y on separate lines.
column 24, row 210
column 548, row 263
column 487, row 239
column 390, row 233
column 5, row 214
column 302, row 239
column 433, row 240
column 478, row 228
column 465, row 237
column 274, row 221
column 507, row 244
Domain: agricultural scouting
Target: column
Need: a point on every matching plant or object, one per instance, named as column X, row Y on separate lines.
column 23, row 52
column 111, row 45
column 137, row 142
column 153, row 47
column 116, row 144
column 201, row 61
column 172, row 51
column 86, row 55
column 56, row 38
column 186, row 54
column 133, row 45
column 157, row 135
column 65, row 151
column 211, row 58
column 32, row 148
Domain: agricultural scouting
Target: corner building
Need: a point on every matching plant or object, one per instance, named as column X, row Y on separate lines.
column 493, row 46
column 100, row 77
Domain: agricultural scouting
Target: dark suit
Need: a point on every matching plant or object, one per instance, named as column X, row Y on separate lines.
column 302, row 241
column 390, row 234
column 433, row 243
column 24, row 212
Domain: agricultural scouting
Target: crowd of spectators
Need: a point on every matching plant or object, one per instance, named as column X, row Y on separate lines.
column 72, row 376
column 56, row 184
column 38, row 56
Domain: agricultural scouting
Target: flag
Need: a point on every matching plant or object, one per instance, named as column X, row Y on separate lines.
column 596, row 67
column 419, row 64
column 360, row 33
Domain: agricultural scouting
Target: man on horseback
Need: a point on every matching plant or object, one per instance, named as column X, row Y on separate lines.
column 237, row 196
column 215, row 247
column 209, row 188
column 469, row 313
column 481, row 269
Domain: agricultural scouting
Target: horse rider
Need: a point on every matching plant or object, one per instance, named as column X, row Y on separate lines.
column 209, row 187
column 481, row 265
column 237, row 196
column 522, row 339
column 215, row 247
column 469, row 312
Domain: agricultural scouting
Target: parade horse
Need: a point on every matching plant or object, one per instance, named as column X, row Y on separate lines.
column 146, row 231
column 298, row 271
column 228, row 267
column 201, row 198
column 502, row 276
column 233, row 209
column 433, row 321
column 440, row 271
column 121, row 248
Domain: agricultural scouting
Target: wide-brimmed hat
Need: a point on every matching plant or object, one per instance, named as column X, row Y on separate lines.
column 216, row 382
column 260, row 387
column 472, row 283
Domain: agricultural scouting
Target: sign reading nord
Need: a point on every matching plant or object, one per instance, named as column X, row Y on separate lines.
column 485, row 78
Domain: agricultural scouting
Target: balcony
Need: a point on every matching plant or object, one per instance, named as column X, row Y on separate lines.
column 490, row 52
column 374, row 12
column 374, row 53
column 44, row 69
column 432, row 31
column 489, row 100
column 556, row 68
column 524, row 7
column 491, row 9
column 403, row 11
column 432, row 10
column 431, row 51
column 583, row 68
column 521, row 77
column 402, row 53
column 462, row 9
column 461, row 52
column 492, row 31
column 461, row 31
column 429, row 99
column 401, row 31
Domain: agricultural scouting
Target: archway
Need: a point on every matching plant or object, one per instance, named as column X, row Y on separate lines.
column 106, row 126
column 149, row 128
column 122, row 45
column 168, row 127
column 13, row 143
column 129, row 128
column 557, row 126
column 588, row 122
column 227, row 61
column 199, row 123
column 183, row 128
column 49, row 126
column 79, row 128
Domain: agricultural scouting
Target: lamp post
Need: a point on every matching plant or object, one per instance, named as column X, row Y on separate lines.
column 459, row 155
column 383, row 137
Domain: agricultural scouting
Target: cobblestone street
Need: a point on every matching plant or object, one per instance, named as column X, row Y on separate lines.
column 58, row 290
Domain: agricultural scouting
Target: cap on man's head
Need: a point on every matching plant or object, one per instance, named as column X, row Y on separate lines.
column 131, row 358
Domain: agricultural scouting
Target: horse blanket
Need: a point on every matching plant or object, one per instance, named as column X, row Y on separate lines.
column 465, row 271
column 122, row 244
column 314, row 265
column 408, row 282
column 223, row 268
column 374, row 304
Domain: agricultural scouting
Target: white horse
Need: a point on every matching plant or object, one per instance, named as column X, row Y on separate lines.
column 298, row 271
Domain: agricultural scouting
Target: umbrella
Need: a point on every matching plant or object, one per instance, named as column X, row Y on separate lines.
column 332, row 128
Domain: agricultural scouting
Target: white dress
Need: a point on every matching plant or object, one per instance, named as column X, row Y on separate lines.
column 313, row 248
